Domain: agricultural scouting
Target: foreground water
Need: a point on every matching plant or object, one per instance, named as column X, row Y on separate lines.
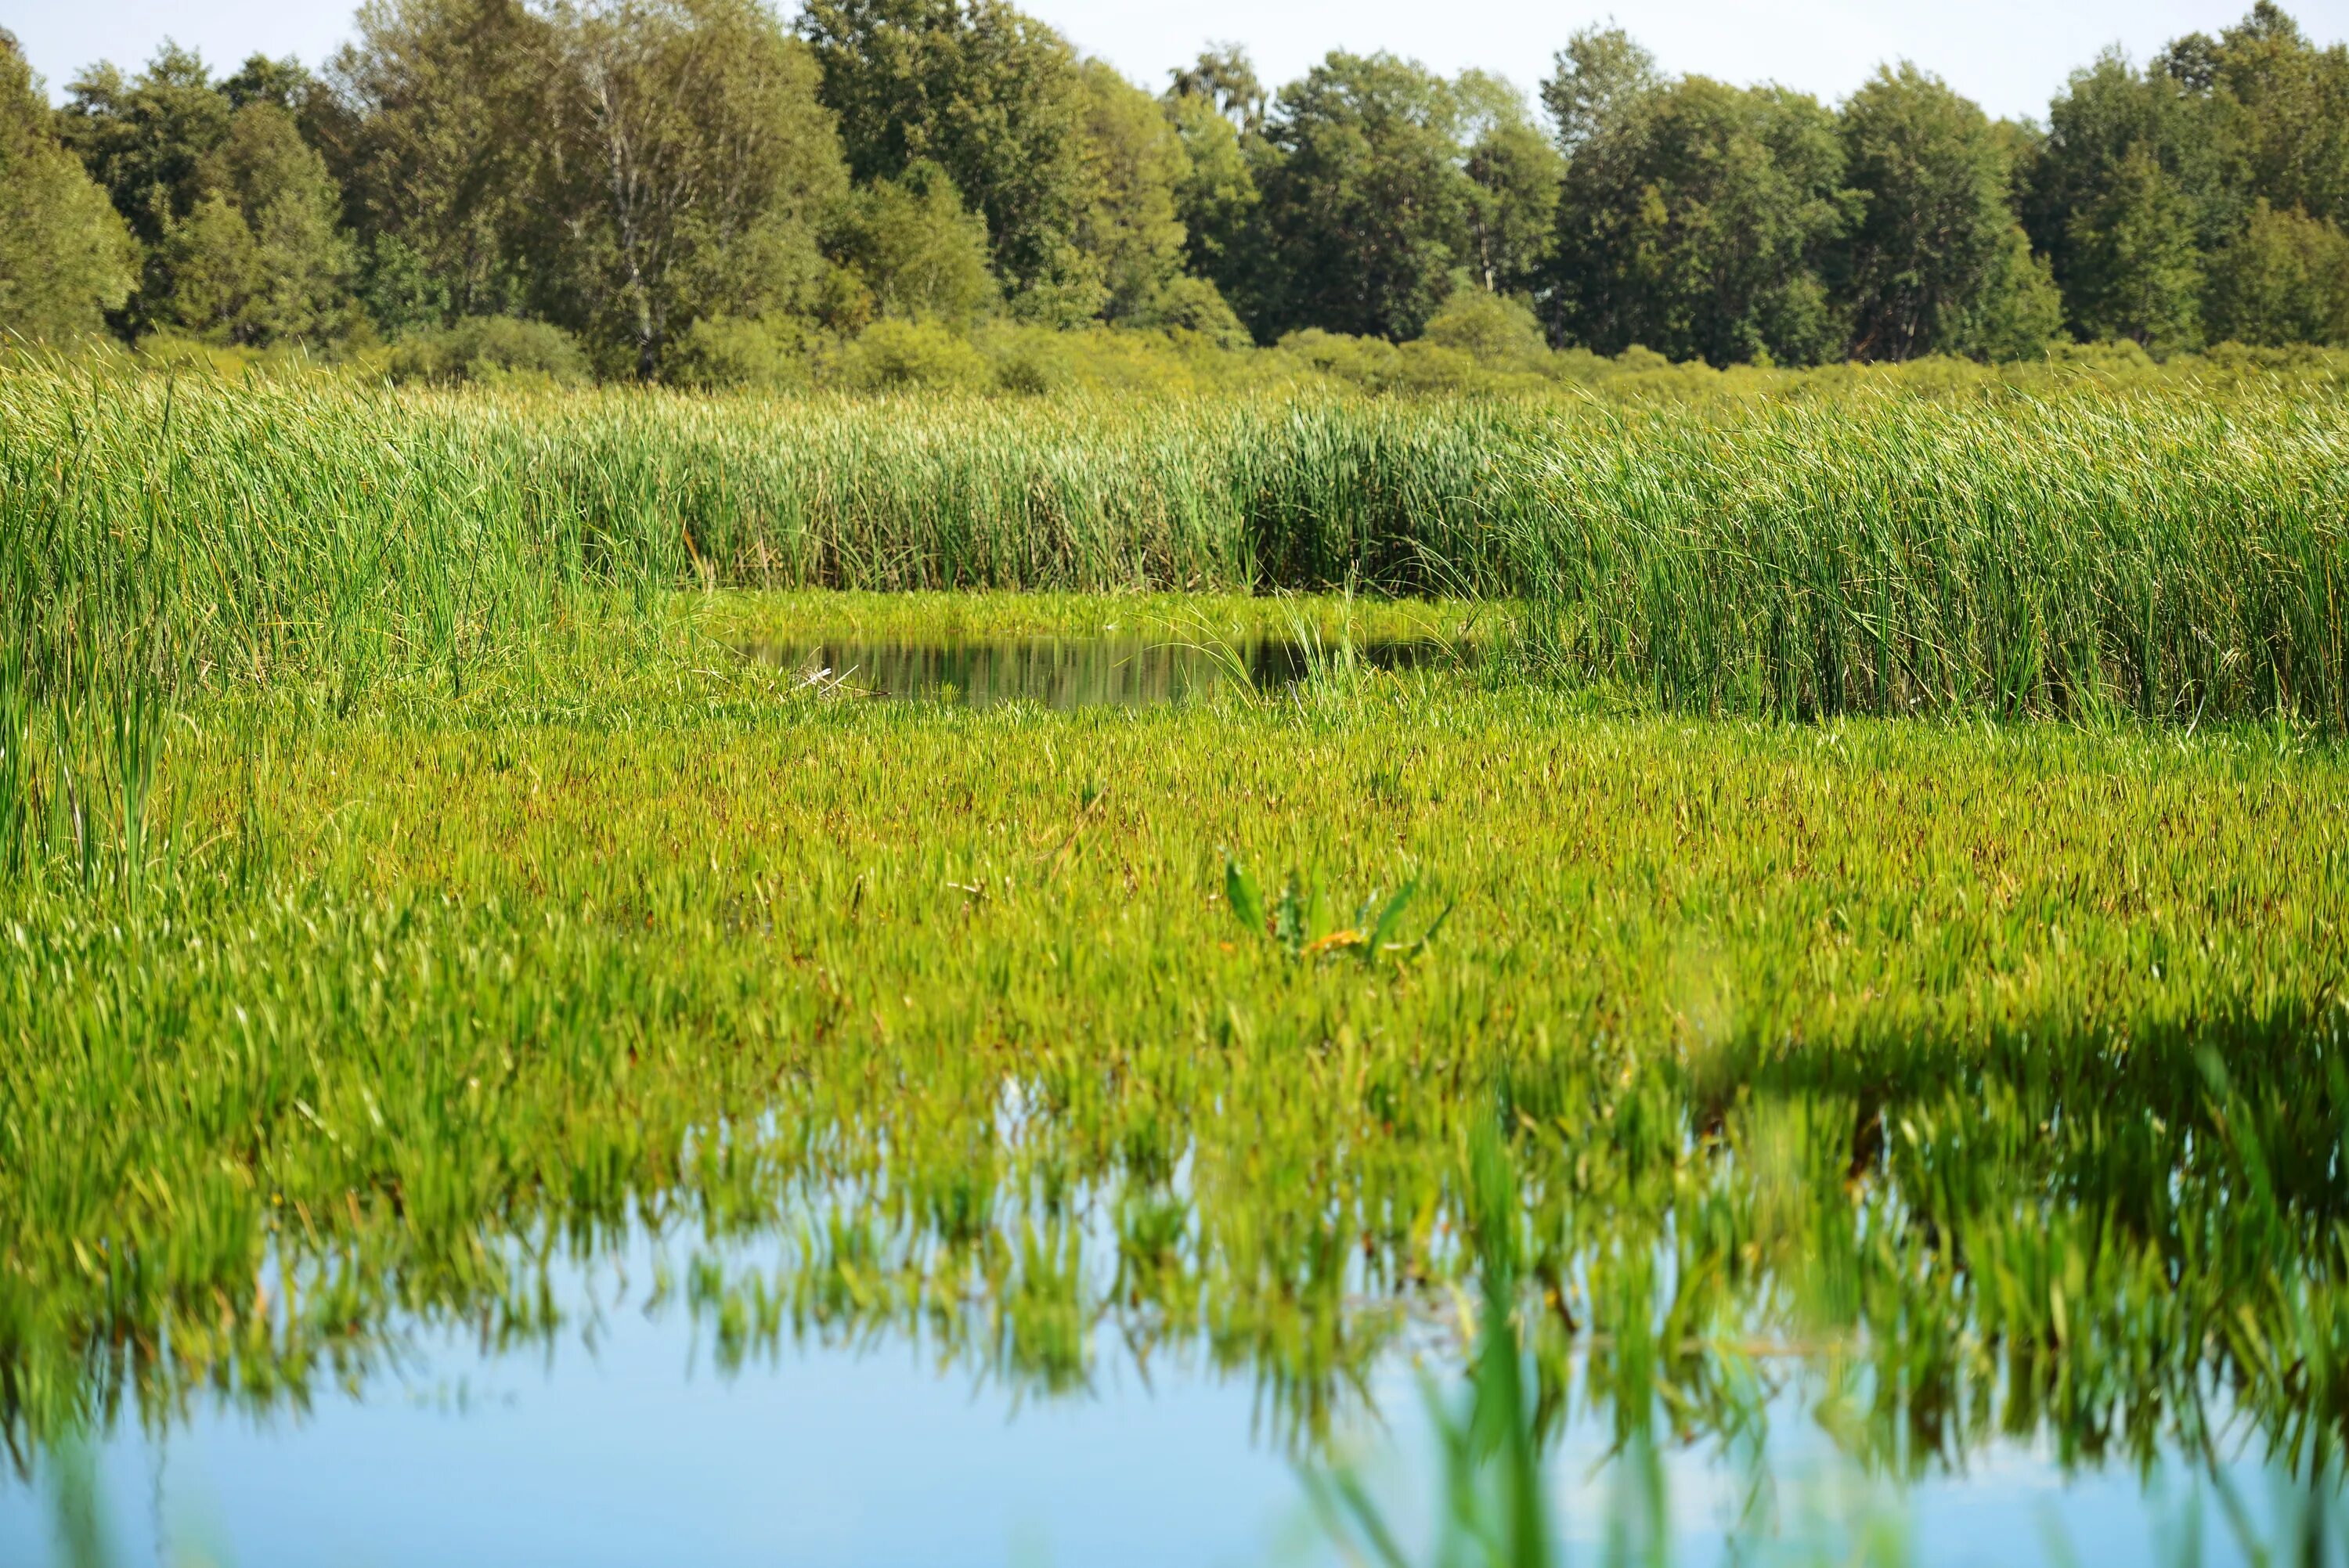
column 626, row 1438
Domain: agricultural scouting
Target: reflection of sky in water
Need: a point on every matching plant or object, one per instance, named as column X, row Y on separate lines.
column 637, row 1452
column 1065, row 672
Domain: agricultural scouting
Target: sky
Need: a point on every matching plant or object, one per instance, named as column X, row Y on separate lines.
column 2009, row 56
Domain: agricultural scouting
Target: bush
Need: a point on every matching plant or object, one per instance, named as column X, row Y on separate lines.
column 489, row 348
column 723, row 351
column 1496, row 333
column 1193, row 306
column 895, row 356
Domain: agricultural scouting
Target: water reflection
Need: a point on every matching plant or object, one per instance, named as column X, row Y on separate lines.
column 1068, row 673
column 1948, row 1261
column 631, row 1431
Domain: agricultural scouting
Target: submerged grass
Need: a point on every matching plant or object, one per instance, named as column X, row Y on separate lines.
column 2000, row 1067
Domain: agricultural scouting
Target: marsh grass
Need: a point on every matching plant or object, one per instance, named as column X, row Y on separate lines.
column 2171, row 554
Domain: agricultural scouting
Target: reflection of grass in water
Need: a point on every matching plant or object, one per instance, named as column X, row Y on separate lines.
column 1493, row 1508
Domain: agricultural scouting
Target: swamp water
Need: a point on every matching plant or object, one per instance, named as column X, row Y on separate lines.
column 1064, row 673
column 633, row 1434
column 803, row 1391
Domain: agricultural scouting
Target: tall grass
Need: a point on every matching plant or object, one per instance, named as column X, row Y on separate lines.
column 2172, row 552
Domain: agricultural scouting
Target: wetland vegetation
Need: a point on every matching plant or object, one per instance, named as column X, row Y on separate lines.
column 1856, row 906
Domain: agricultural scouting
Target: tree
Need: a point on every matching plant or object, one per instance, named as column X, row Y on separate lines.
column 1216, row 198
column 145, row 141
column 994, row 98
column 1225, row 78
column 285, row 83
column 1364, row 199
column 1514, row 177
column 237, row 215
column 917, row 251
column 696, row 169
column 1134, row 165
column 2136, row 271
column 2018, row 312
column 1931, row 247
column 2137, row 181
column 260, row 258
column 438, row 136
column 66, row 256
column 2285, row 280
column 1594, row 82
column 2284, row 104
column 1697, row 220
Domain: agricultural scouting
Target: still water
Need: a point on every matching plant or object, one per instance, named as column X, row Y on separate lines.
column 624, row 1437
column 1068, row 673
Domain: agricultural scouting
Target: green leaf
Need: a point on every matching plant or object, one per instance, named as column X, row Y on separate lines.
column 1240, row 892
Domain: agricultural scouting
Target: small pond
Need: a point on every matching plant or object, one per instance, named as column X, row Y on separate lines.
column 1068, row 673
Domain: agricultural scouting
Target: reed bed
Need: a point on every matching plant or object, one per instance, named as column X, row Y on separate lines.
column 405, row 886
column 2171, row 552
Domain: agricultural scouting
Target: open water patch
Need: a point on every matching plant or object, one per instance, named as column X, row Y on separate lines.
column 629, row 1430
column 1065, row 674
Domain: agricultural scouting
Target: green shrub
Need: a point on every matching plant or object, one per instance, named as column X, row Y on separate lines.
column 1492, row 332
column 492, row 349
column 727, row 351
column 899, row 355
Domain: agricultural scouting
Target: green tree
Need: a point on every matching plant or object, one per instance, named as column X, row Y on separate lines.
column 1365, row 202
column 698, row 170
column 1697, row 220
column 1135, row 164
column 439, row 133
column 1931, row 247
column 1594, row 83
column 990, row 95
column 1225, row 78
column 2136, row 271
column 2019, row 311
column 261, row 258
column 1216, row 200
column 2138, row 178
column 145, row 140
column 2284, row 280
column 66, row 256
column 1514, row 177
column 920, row 254
column 2285, row 105
column 285, row 83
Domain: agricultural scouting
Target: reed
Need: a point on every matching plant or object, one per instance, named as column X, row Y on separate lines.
column 2171, row 552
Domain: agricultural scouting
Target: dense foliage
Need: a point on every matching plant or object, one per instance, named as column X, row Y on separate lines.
column 708, row 191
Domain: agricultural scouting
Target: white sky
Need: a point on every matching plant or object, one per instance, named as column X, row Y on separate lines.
column 2011, row 55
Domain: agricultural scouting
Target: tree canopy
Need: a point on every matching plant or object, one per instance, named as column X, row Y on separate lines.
column 676, row 186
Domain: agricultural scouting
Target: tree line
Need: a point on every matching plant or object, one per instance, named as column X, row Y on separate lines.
column 674, row 188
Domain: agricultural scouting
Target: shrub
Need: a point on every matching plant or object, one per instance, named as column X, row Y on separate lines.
column 489, row 348
column 724, row 351
column 892, row 355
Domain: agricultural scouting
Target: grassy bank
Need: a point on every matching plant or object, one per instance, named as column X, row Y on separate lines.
column 2168, row 553
column 1999, row 1065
